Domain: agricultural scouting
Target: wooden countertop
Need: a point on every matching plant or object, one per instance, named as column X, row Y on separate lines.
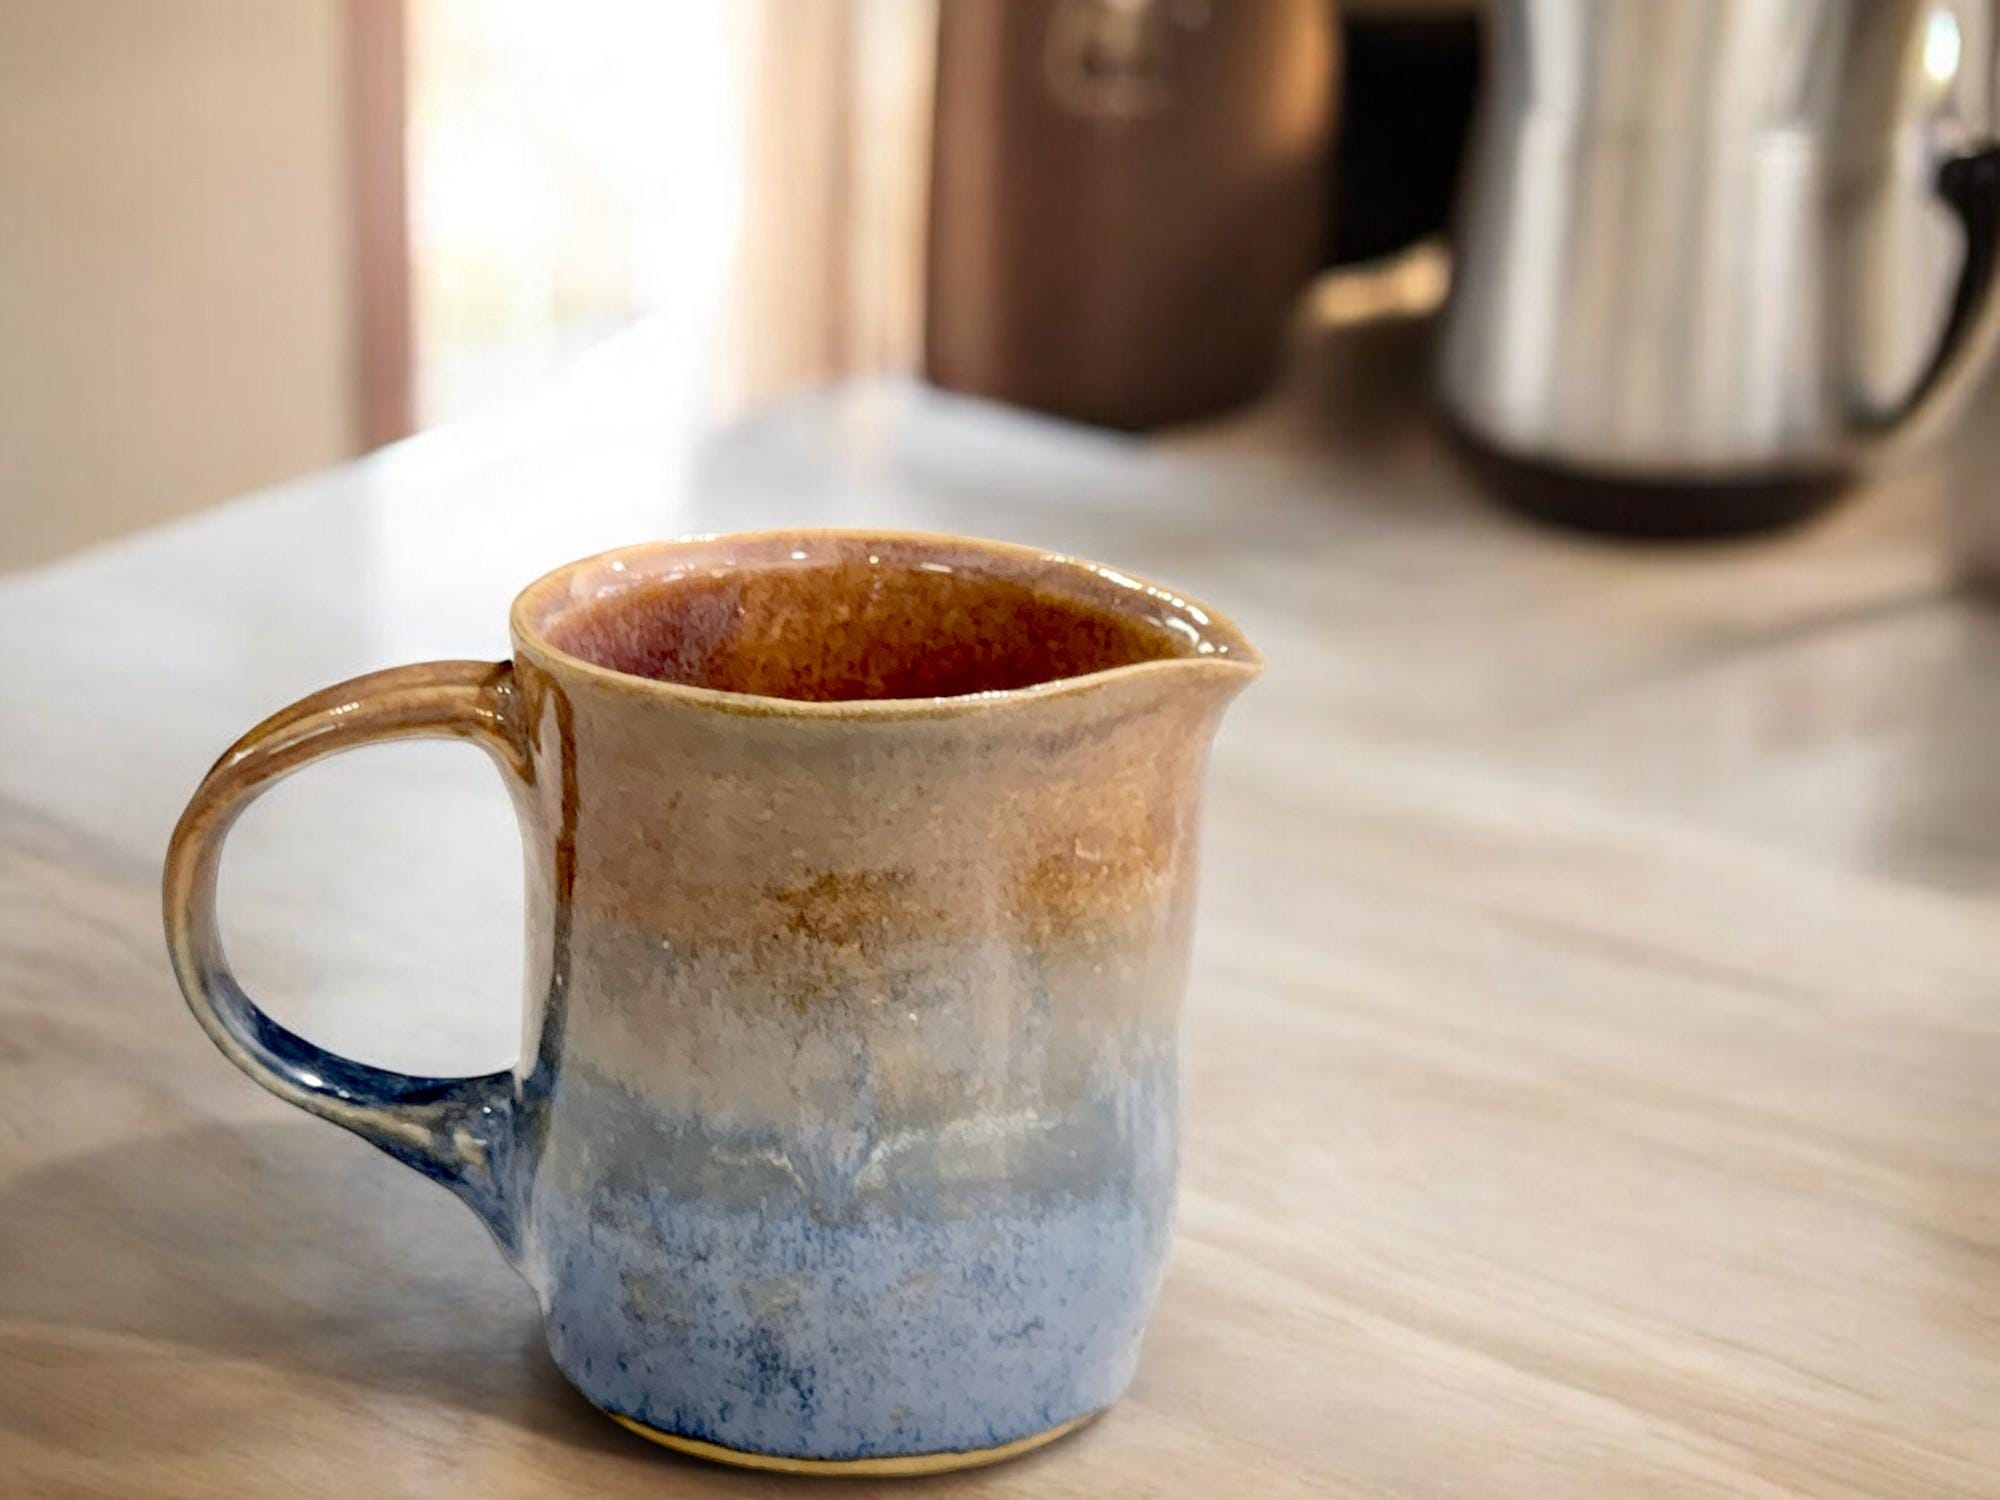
column 1595, row 1021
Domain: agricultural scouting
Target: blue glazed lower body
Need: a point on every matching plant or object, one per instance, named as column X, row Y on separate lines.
column 855, row 1294
column 787, row 1336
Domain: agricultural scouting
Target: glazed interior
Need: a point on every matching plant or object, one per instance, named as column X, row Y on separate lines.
column 844, row 618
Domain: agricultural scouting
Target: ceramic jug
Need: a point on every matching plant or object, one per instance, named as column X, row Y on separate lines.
column 860, row 869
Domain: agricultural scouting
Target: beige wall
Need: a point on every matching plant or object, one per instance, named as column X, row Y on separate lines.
column 175, row 305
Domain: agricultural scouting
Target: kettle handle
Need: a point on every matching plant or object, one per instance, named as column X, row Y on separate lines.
column 1969, row 184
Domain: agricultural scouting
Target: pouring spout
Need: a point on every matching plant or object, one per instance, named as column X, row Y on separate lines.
column 1209, row 682
column 1192, row 644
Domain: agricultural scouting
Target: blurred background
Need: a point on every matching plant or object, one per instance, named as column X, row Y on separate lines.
column 1711, row 259
column 1586, row 406
column 246, row 238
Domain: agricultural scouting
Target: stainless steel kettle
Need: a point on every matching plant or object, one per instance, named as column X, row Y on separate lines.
column 1714, row 253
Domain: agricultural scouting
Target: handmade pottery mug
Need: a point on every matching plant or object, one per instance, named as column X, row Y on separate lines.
column 860, row 869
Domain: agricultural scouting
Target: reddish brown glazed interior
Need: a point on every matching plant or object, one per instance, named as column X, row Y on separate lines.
column 843, row 629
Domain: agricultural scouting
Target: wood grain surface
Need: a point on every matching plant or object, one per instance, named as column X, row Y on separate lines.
column 1595, row 1021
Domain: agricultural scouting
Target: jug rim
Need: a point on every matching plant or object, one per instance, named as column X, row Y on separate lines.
column 1216, row 644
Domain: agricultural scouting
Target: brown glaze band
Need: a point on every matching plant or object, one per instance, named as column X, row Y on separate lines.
column 839, row 824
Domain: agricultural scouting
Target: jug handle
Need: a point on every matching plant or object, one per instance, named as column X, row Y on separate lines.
column 457, row 1131
column 1969, row 184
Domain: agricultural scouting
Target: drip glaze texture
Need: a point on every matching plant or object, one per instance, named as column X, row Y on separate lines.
column 860, row 880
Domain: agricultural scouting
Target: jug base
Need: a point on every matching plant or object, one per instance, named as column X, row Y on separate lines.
column 879, row 1467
